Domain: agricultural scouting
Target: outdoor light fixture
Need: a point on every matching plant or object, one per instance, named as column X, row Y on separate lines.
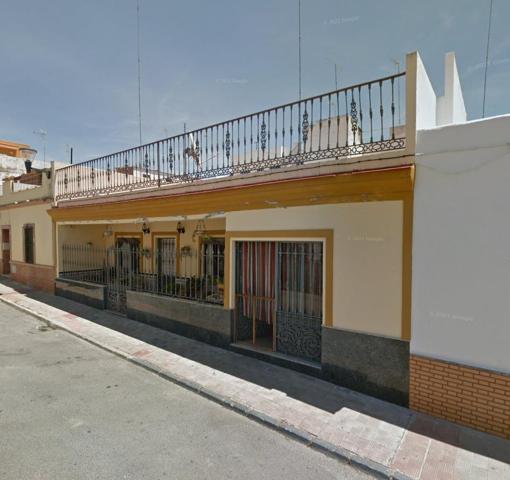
column 180, row 228
column 108, row 232
column 145, row 228
column 200, row 230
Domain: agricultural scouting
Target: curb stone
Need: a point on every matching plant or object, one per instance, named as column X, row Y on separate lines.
column 297, row 433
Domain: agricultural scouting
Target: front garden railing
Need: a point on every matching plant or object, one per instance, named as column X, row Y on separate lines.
column 189, row 274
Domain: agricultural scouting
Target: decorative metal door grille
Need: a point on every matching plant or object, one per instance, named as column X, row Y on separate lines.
column 299, row 299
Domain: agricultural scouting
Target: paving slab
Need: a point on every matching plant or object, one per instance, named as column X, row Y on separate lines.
column 385, row 438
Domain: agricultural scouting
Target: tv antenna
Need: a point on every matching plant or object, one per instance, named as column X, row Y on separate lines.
column 338, row 70
column 139, row 70
column 487, row 58
column 43, row 134
column 299, row 46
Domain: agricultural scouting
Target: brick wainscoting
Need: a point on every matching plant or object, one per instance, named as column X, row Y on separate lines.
column 41, row 277
column 466, row 395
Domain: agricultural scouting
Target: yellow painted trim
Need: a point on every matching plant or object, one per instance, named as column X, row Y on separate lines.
column 407, row 266
column 54, row 233
column 410, row 95
column 323, row 234
column 127, row 235
column 215, row 233
column 386, row 184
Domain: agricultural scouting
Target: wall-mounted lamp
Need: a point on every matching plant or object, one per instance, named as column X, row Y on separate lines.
column 200, row 230
column 108, row 232
column 145, row 228
column 180, row 228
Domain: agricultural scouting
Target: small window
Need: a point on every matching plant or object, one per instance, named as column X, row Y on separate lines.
column 28, row 243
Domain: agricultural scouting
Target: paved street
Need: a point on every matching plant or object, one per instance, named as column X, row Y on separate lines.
column 70, row 410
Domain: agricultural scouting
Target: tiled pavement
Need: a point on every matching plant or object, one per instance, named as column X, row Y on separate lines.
column 386, row 438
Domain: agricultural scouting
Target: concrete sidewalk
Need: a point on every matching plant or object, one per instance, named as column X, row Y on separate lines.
column 385, row 438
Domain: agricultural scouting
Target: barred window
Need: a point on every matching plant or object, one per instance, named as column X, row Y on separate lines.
column 28, row 243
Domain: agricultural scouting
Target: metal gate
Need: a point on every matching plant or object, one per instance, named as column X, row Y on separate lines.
column 299, row 299
column 122, row 268
column 118, row 278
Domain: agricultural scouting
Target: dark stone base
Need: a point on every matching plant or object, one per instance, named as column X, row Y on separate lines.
column 370, row 364
column 205, row 322
column 83, row 292
column 282, row 360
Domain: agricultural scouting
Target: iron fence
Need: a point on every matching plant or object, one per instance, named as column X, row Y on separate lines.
column 363, row 118
column 187, row 274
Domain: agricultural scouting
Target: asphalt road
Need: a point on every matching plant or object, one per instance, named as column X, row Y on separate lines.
column 70, row 410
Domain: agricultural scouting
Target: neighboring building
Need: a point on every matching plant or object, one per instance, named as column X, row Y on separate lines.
column 12, row 149
column 27, row 229
column 460, row 357
column 12, row 159
column 460, row 361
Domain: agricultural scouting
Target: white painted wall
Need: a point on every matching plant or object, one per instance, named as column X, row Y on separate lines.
column 432, row 111
column 9, row 167
column 450, row 107
column 461, row 245
column 425, row 98
column 367, row 277
column 14, row 166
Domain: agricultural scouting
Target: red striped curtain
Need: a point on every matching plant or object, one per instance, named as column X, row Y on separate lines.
column 258, row 279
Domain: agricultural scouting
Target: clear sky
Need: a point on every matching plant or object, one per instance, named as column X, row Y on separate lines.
column 70, row 66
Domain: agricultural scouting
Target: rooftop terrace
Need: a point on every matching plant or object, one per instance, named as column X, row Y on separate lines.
column 350, row 122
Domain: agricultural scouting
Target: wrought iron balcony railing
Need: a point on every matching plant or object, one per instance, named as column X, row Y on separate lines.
column 352, row 121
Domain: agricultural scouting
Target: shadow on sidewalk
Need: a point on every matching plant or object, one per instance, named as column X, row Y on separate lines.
column 313, row 391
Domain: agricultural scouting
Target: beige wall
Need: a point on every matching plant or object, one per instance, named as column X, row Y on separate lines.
column 367, row 278
column 37, row 215
column 82, row 234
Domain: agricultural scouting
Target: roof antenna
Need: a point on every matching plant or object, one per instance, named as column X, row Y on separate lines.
column 336, row 78
column 43, row 134
column 487, row 58
column 139, row 70
column 299, row 46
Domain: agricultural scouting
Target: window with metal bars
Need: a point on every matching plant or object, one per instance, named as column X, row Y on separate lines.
column 213, row 263
column 28, row 243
